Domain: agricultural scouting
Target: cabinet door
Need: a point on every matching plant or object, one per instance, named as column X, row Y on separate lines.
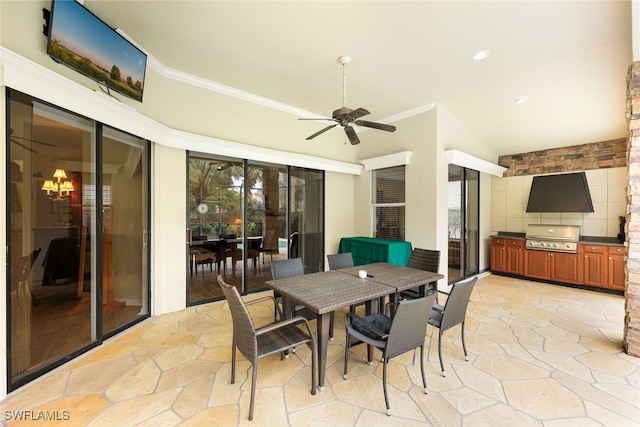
column 566, row 268
column 595, row 265
column 515, row 256
column 498, row 255
column 616, row 266
column 536, row 264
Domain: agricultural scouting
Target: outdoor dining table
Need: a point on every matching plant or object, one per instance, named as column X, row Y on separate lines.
column 323, row 293
column 399, row 278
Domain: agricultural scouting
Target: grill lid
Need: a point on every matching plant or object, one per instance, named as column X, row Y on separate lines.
column 555, row 232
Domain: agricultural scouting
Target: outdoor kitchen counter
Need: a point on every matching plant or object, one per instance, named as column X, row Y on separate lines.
column 598, row 263
column 585, row 240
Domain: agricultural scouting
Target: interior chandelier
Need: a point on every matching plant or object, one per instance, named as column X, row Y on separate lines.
column 58, row 190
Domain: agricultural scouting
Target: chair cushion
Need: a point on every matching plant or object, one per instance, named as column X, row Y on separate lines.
column 375, row 326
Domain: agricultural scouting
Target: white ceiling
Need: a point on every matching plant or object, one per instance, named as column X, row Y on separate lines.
column 569, row 57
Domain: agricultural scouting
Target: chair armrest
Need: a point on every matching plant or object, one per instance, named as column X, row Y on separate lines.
column 387, row 307
column 277, row 325
column 437, row 307
column 272, row 298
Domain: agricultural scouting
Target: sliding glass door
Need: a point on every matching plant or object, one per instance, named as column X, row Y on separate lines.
column 463, row 241
column 243, row 215
column 77, row 214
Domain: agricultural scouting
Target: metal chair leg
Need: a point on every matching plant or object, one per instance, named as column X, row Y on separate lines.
column 384, row 384
column 254, row 378
column 464, row 347
column 424, row 378
column 440, row 352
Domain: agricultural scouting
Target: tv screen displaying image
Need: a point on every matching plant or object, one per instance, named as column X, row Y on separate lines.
column 80, row 40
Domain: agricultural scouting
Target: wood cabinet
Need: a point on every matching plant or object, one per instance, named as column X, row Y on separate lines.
column 615, row 266
column 556, row 266
column 515, row 256
column 536, row 264
column 595, row 265
column 507, row 255
column 498, row 254
column 566, row 268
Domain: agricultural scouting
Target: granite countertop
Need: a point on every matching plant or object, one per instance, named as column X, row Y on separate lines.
column 589, row 240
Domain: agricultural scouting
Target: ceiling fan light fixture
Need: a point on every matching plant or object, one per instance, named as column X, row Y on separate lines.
column 480, row 55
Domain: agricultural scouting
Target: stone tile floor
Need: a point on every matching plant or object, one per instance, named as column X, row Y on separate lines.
column 539, row 355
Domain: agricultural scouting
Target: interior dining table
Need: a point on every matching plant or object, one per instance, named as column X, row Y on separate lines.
column 324, row 292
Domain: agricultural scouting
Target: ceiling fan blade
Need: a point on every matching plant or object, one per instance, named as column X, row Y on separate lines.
column 321, row 131
column 33, row 140
column 374, row 125
column 360, row 112
column 23, row 146
column 318, row 118
column 351, row 133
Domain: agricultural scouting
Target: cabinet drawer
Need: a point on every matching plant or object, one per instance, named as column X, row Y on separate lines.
column 498, row 242
column 616, row 250
column 594, row 249
column 515, row 243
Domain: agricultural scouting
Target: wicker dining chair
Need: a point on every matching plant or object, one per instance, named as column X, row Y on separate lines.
column 342, row 260
column 423, row 259
column 452, row 313
column 256, row 343
column 406, row 331
column 281, row 269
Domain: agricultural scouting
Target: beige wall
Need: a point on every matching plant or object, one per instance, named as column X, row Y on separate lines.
column 608, row 194
column 171, row 105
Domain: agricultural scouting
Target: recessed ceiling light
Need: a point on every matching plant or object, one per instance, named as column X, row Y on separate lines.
column 479, row 56
column 521, row 99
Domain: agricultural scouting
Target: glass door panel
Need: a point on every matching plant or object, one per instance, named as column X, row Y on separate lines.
column 215, row 231
column 463, row 238
column 456, row 224
column 51, row 158
column 306, row 218
column 125, row 201
column 265, row 220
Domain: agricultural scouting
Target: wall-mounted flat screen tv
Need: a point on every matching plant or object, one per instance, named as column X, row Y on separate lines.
column 567, row 192
column 79, row 39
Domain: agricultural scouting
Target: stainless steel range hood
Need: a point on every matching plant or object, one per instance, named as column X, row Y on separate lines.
column 560, row 193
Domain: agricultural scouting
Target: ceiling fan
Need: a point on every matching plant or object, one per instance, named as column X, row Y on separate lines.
column 15, row 139
column 346, row 117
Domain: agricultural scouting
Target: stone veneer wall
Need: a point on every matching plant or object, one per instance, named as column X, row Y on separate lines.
column 596, row 155
column 631, row 340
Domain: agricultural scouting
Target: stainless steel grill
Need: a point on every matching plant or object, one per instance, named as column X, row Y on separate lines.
column 553, row 237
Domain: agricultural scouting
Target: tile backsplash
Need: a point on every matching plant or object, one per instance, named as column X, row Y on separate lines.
column 608, row 188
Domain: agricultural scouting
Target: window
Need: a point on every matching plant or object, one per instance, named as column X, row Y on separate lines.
column 389, row 202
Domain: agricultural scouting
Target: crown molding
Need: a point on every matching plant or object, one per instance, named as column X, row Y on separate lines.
column 468, row 161
column 390, row 160
column 26, row 76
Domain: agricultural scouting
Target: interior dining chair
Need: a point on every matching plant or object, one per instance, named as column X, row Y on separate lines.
column 452, row 313
column 406, row 331
column 256, row 343
column 423, row 259
column 281, row 269
column 269, row 245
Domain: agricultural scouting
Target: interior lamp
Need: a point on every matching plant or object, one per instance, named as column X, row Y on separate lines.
column 57, row 189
